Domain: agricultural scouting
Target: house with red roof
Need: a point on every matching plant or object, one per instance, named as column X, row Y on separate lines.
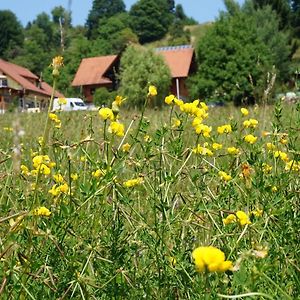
column 96, row 72
column 19, row 84
column 181, row 61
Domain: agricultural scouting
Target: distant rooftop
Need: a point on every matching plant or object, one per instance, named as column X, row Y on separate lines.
column 170, row 48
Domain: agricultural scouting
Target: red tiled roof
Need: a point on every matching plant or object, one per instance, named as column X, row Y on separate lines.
column 92, row 70
column 23, row 76
column 179, row 59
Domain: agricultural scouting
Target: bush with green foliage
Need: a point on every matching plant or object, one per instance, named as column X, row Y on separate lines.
column 103, row 96
column 140, row 68
column 239, row 54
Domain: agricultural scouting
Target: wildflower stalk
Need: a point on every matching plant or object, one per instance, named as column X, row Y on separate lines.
column 46, row 128
column 141, row 118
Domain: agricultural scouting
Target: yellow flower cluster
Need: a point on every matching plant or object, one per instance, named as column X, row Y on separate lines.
column 250, row 138
column 217, row 146
column 116, row 128
column 42, row 211
column 58, row 189
column 53, row 117
column 62, row 101
column 42, row 164
column 292, row 165
column 224, row 176
column 98, row 173
column 233, row 150
column 152, row 91
column 210, row 259
column 224, row 129
column 239, row 217
column 266, row 168
column 133, row 182
column 282, row 155
column 106, row 114
column 202, row 151
column 251, row 123
column 244, row 111
column 126, row 147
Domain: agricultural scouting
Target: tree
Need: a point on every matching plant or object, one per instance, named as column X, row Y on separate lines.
column 102, row 9
column 140, row 68
column 281, row 7
column 11, row 33
column 237, row 54
column 115, row 32
column 150, row 19
column 59, row 14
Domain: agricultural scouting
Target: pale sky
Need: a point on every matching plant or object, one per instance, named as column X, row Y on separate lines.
column 26, row 10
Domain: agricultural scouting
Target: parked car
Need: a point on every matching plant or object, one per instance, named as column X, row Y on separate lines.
column 68, row 104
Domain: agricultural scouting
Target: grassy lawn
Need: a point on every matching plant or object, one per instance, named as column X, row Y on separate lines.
column 178, row 205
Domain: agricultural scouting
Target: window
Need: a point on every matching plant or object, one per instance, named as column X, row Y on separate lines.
column 3, row 82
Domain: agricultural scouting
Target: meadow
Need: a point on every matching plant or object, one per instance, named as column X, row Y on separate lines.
column 183, row 202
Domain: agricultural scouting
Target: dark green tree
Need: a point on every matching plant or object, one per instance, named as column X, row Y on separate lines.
column 60, row 14
column 102, row 9
column 150, row 19
column 43, row 21
column 238, row 55
column 11, row 33
column 281, row 7
column 295, row 6
column 114, row 34
column 140, row 68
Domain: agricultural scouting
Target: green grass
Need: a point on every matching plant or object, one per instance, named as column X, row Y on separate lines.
column 105, row 241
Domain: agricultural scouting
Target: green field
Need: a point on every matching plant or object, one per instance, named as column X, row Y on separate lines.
column 84, row 217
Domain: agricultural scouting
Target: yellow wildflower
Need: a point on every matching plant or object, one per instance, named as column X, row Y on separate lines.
column 224, row 129
column 57, row 62
column 257, row 212
column 233, row 150
column 270, row 146
column 62, row 101
column 243, row 218
column 292, row 165
column 244, row 111
column 126, row 147
column 282, row 155
column 118, row 100
column 251, row 123
column 250, row 138
column 175, row 123
column 217, row 146
column 24, row 170
column 74, row 176
column 170, row 99
column 229, row 219
column 274, row 189
column 42, row 211
column 224, row 176
column 178, row 102
column 58, row 178
column 116, row 128
column 266, row 168
column 133, row 182
column 203, row 129
column 98, row 173
column 54, row 191
column 147, row 138
column 202, row 151
column 210, row 259
column 152, row 91
column 106, row 114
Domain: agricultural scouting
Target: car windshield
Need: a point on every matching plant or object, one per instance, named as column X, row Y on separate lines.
column 79, row 104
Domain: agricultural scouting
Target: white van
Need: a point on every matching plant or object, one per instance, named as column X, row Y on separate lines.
column 69, row 105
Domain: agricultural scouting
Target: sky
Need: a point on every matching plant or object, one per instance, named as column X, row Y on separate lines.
column 26, row 10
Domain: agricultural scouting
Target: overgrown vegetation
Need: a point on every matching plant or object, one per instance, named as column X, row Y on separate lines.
column 183, row 203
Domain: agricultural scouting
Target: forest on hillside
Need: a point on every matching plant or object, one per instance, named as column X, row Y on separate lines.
column 237, row 57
